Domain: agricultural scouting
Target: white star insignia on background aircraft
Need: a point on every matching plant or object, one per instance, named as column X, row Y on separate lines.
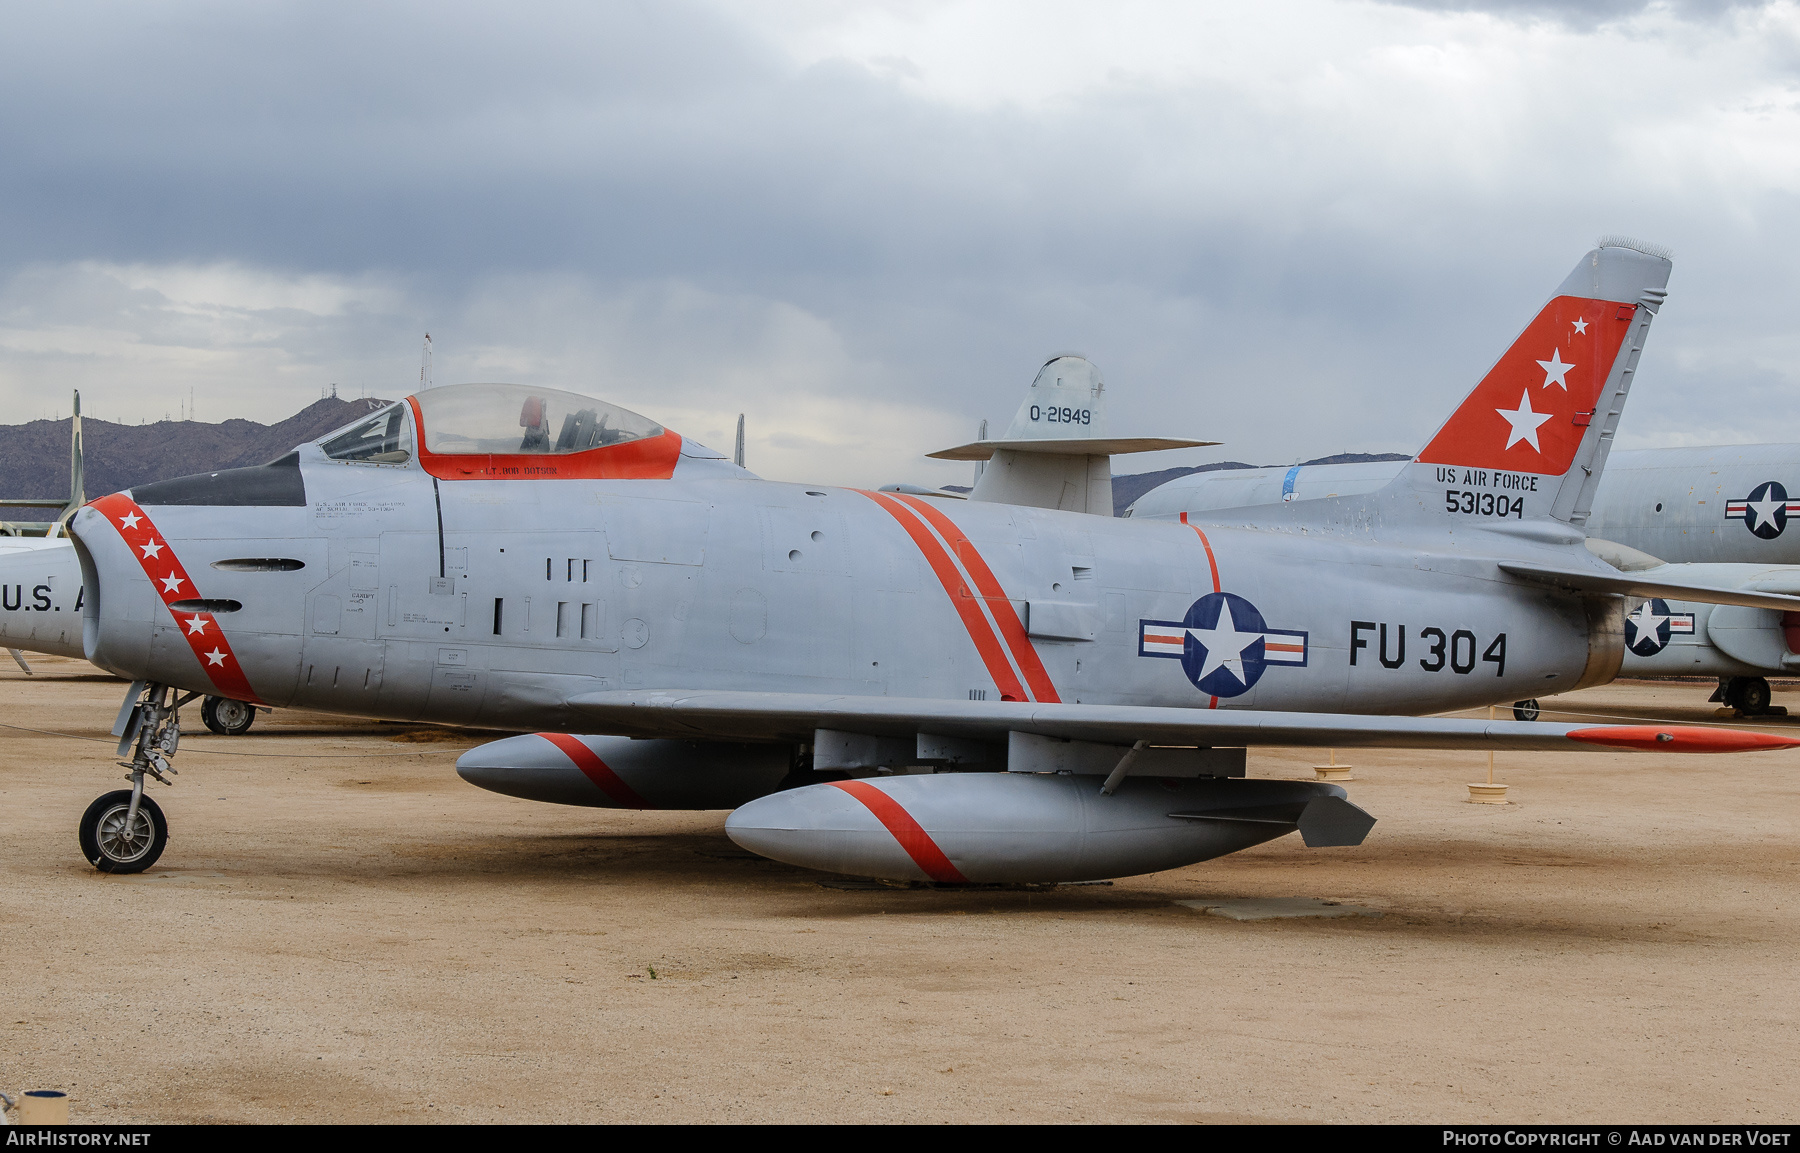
column 1644, row 623
column 1005, row 688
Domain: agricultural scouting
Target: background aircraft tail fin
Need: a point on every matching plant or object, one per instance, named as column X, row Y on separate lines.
column 1536, row 431
column 1057, row 452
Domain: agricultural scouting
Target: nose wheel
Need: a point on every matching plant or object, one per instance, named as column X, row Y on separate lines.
column 120, row 836
column 125, row 831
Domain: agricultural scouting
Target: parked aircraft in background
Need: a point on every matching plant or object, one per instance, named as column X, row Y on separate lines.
column 1726, row 503
column 889, row 684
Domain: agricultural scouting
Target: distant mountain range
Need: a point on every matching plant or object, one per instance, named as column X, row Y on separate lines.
column 34, row 457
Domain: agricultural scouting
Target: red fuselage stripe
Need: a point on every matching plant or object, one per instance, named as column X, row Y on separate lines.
column 1212, row 563
column 202, row 631
column 1012, row 630
column 596, row 770
column 911, row 835
column 977, row 626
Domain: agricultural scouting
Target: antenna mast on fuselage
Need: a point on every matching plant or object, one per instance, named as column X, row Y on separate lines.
column 425, row 365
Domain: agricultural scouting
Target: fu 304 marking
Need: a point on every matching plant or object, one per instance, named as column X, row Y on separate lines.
column 1455, row 651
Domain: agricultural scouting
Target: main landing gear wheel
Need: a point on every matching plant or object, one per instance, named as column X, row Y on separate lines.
column 227, row 717
column 1526, row 710
column 114, row 840
column 1749, row 695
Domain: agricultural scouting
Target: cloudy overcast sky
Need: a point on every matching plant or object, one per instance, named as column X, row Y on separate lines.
column 1295, row 227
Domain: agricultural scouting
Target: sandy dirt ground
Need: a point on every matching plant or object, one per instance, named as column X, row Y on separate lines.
column 341, row 930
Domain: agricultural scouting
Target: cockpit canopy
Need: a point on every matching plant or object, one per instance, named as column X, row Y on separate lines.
column 510, row 431
column 506, row 419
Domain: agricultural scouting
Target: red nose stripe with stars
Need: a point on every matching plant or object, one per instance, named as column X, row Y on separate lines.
column 170, row 580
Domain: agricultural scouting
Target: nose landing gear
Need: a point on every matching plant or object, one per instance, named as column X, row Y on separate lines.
column 125, row 831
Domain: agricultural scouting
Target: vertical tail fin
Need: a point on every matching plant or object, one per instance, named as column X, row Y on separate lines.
column 1537, row 430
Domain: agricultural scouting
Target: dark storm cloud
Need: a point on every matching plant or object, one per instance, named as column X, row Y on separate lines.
column 1214, row 247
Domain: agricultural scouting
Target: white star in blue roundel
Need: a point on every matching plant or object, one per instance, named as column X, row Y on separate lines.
column 1223, row 644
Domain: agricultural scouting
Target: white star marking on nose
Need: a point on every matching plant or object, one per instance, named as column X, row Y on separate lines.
column 172, row 583
column 196, row 624
column 1225, row 645
column 1524, row 422
column 130, row 520
column 216, row 657
column 152, row 551
column 1644, row 623
column 1555, row 370
column 1580, row 327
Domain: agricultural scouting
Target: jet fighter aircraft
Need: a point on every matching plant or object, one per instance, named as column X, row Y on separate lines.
column 888, row 684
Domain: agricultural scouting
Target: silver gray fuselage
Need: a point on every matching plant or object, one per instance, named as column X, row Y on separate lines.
column 715, row 579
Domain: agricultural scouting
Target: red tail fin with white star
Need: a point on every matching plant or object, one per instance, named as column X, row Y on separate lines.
column 1537, row 429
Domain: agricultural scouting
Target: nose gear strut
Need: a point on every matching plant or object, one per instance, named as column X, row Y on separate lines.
column 125, row 832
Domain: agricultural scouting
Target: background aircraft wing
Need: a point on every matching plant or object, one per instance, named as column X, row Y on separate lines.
column 1645, row 584
column 708, row 714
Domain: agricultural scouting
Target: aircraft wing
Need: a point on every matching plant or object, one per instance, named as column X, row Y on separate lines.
column 1642, row 584
column 708, row 714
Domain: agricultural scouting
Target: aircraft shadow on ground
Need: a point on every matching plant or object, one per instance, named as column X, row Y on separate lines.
column 1427, row 908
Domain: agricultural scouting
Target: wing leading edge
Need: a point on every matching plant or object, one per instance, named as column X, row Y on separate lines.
column 721, row 715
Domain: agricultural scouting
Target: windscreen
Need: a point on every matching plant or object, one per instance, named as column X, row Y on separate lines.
column 385, row 438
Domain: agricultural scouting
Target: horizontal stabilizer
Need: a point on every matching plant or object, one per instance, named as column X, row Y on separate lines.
column 1093, row 446
column 1643, row 584
column 1057, row 452
column 752, row 716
